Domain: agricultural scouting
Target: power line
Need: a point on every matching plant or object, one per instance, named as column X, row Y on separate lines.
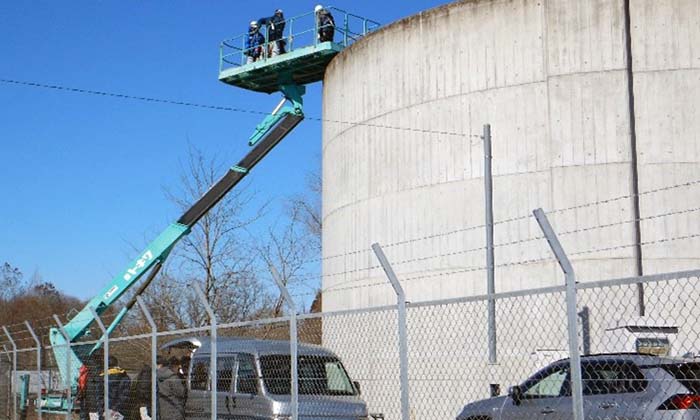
column 214, row 107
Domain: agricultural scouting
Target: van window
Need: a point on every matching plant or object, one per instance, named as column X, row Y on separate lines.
column 224, row 373
column 318, row 375
column 247, row 379
column 200, row 374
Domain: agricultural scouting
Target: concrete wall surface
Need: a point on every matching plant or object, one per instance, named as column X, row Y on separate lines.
column 580, row 127
column 403, row 163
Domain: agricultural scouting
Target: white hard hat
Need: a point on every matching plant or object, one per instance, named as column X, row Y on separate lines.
column 318, row 8
column 254, row 23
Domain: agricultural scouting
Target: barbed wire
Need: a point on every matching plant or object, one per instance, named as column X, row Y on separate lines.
column 640, row 219
column 644, row 243
column 513, row 263
column 320, row 277
column 511, row 220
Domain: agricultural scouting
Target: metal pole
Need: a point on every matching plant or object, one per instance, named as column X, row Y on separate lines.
column 572, row 314
column 38, row 363
column 68, row 381
column 490, row 267
column 291, row 34
column 154, row 350
column 316, row 35
column 13, row 382
column 105, row 362
column 293, row 341
column 403, row 330
column 213, row 360
column 345, row 31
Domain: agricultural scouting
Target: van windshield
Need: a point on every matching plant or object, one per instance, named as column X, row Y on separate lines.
column 318, row 375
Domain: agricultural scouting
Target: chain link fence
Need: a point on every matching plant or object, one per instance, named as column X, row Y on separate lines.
column 593, row 349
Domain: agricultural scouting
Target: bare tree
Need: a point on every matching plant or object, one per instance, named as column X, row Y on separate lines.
column 306, row 208
column 216, row 253
column 11, row 282
column 288, row 250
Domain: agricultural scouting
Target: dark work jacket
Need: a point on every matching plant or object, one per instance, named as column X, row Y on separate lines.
column 326, row 26
column 119, row 391
column 275, row 26
column 172, row 395
column 252, row 42
column 141, row 393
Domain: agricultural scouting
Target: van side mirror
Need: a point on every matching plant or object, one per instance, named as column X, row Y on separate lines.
column 516, row 394
column 357, row 387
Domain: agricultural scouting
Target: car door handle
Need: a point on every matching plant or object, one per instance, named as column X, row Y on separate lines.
column 607, row 405
column 547, row 410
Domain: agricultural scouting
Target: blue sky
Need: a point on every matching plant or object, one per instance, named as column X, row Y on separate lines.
column 82, row 176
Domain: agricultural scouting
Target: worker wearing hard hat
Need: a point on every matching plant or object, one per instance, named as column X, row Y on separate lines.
column 253, row 43
column 275, row 32
column 324, row 23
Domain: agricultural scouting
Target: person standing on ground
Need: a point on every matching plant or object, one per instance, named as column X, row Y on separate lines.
column 172, row 392
column 325, row 24
column 275, row 32
column 119, row 387
column 91, row 386
column 141, row 391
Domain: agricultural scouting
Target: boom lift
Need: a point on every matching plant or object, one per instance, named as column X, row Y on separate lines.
column 287, row 73
column 153, row 257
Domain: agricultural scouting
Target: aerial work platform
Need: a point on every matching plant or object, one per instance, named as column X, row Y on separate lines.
column 305, row 59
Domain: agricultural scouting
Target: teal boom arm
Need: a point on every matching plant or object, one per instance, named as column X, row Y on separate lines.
column 275, row 128
column 156, row 252
column 292, row 93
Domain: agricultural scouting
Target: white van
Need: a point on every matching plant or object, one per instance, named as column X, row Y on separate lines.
column 253, row 382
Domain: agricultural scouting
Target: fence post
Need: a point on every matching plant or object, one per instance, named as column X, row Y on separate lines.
column 213, row 361
column 293, row 341
column 154, row 351
column 69, row 383
column 403, row 333
column 490, row 267
column 38, row 363
column 571, row 312
column 105, row 362
column 9, row 387
column 13, row 381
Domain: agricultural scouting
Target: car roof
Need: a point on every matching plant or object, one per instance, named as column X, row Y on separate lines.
column 260, row 347
column 638, row 359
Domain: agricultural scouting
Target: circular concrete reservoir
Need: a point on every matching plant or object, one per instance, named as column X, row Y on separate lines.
column 593, row 120
column 572, row 118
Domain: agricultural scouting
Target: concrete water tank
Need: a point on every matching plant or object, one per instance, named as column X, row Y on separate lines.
column 573, row 118
column 593, row 119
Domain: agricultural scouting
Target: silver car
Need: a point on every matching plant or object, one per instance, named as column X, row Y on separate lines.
column 615, row 386
column 253, row 382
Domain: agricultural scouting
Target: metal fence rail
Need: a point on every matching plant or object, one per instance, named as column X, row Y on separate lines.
column 299, row 31
column 446, row 347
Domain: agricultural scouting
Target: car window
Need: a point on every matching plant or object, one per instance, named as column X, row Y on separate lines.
column 224, row 373
column 318, row 375
column 687, row 374
column 547, row 384
column 199, row 379
column 611, row 377
column 247, row 379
